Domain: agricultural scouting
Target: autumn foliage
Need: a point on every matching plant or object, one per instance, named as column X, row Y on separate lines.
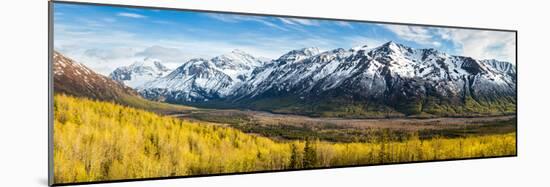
column 95, row 141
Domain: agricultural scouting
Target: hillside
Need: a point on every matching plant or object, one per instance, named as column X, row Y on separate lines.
column 96, row 140
column 76, row 79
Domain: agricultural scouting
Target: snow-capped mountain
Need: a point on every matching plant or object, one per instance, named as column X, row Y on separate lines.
column 281, row 66
column 391, row 78
column 298, row 55
column 203, row 79
column 140, row 72
column 298, row 69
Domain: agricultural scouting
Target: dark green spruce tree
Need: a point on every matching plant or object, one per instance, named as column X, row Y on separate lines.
column 310, row 155
column 295, row 161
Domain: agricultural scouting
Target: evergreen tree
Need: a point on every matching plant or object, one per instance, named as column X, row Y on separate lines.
column 294, row 162
column 310, row 155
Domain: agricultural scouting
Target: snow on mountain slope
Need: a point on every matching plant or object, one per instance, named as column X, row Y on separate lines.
column 391, row 74
column 281, row 68
column 204, row 79
column 140, row 72
column 299, row 67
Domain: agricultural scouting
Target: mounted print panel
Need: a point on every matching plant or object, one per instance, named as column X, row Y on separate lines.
column 153, row 93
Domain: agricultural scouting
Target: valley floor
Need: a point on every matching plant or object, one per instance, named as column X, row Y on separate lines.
column 286, row 126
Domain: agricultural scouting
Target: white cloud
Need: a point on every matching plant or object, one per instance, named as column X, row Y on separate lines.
column 478, row 44
column 420, row 35
column 131, row 15
column 482, row 44
column 229, row 18
column 166, row 54
column 297, row 21
column 109, row 54
column 238, row 18
column 98, row 61
column 99, row 48
column 344, row 24
column 84, row 45
column 197, row 48
column 271, row 25
column 93, row 36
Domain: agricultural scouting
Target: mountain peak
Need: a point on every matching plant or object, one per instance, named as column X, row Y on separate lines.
column 299, row 54
column 149, row 62
column 391, row 42
column 432, row 52
column 310, row 51
column 233, row 55
column 238, row 58
column 359, row 48
column 139, row 72
column 392, row 47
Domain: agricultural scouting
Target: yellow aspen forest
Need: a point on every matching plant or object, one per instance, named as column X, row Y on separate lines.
column 98, row 141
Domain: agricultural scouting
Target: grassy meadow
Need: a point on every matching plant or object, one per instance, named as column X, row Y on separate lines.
column 98, row 141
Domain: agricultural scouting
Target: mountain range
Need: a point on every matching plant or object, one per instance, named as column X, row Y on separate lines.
column 384, row 81
column 201, row 80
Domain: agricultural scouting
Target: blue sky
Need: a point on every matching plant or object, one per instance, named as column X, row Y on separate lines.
column 104, row 37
